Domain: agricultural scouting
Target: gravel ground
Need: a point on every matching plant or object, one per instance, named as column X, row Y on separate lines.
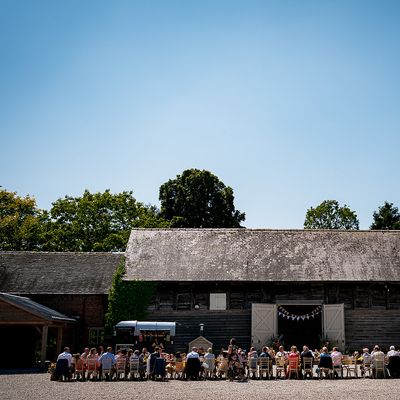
column 39, row 386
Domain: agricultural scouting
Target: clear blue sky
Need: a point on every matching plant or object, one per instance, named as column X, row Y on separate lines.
column 288, row 102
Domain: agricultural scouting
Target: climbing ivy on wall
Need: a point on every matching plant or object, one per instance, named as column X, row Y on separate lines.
column 127, row 300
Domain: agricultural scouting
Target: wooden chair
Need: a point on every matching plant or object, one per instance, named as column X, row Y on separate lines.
column 350, row 366
column 327, row 372
column 366, row 368
column 379, row 367
column 280, row 367
column 293, row 368
column 264, row 367
column 179, row 370
column 308, row 368
column 252, row 368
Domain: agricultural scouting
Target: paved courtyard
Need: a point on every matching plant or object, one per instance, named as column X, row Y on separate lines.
column 39, row 386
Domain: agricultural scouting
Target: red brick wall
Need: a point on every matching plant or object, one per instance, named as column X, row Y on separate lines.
column 90, row 308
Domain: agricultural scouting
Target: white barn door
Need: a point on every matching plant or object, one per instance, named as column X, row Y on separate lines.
column 264, row 323
column 333, row 318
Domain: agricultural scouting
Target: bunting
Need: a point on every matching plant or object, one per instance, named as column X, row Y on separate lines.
column 282, row 312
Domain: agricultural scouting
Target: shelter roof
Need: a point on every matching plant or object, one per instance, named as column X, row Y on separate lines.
column 262, row 255
column 35, row 308
column 57, row 273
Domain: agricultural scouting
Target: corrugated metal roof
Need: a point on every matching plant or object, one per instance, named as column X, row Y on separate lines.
column 262, row 255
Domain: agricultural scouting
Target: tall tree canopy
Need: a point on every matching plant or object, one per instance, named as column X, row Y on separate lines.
column 20, row 222
column 97, row 222
column 198, row 199
column 329, row 215
column 387, row 217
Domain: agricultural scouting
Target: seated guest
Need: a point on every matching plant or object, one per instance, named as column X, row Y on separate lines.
column 337, row 358
column 394, row 362
column 209, row 357
column 93, row 358
column 281, row 352
column 85, row 354
column 193, row 364
column 252, row 353
column 294, row 354
column 107, row 362
column 306, row 353
column 265, row 352
column 366, row 361
column 377, row 357
column 392, row 352
column 325, row 361
column 63, row 365
column 152, row 365
column 137, row 355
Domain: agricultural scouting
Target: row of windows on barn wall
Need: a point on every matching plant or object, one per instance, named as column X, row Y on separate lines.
column 168, row 300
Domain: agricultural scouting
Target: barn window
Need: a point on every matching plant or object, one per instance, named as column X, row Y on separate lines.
column 96, row 336
column 217, row 301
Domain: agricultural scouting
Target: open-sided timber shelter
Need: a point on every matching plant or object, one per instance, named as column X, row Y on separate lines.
column 52, row 300
column 304, row 286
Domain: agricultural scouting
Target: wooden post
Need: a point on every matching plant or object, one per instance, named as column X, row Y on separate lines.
column 59, row 340
column 45, row 331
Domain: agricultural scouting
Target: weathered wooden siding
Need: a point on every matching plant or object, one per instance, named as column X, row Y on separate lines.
column 219, row 326
column 366, row 327
column 372, row 309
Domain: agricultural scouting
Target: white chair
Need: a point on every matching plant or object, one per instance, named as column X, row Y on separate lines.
column 209, row 367
column 107, row 368
column 134, row 368
column 91, row 368
column 120, row 368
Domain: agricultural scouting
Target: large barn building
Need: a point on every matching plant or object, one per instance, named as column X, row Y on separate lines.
column 304, row 286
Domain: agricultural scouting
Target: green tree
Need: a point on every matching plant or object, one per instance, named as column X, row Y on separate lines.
column 198, row 199
column 329, row 215
column 97, row 222
column 21, row 222
column 386, row 218
column 127, row 300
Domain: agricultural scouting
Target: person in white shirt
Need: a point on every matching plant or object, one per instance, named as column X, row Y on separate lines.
column 63, row 365
column 394, row 362
column 193, row 364
column 66, row 354
column 337, row 358
column 392, row 352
